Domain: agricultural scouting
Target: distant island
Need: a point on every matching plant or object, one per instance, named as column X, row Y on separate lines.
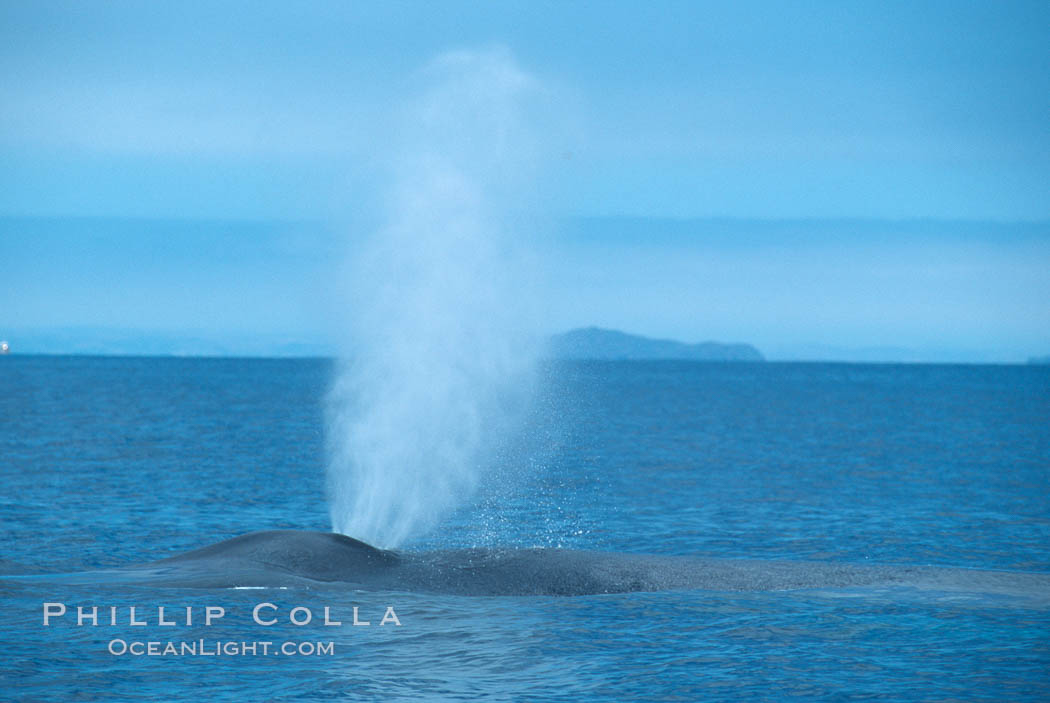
column 586, row 343
column 1039, row 360
column 601, row 344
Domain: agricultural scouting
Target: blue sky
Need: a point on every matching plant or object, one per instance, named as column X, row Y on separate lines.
column 765, row 111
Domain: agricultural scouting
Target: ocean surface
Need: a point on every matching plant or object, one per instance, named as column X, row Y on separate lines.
column 114, row 461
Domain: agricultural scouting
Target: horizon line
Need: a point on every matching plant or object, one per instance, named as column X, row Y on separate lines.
column 1032, row 361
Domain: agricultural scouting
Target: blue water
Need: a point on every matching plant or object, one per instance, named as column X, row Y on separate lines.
column 111, row 461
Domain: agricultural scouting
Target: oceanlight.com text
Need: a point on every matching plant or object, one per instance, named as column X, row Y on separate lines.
column 219, row 648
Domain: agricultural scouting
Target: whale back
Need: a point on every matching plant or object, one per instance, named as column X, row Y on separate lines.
column 291, row 558
column 319, row 556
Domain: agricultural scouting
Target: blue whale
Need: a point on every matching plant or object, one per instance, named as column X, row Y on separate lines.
column 304, row 559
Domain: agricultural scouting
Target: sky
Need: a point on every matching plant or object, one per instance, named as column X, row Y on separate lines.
column 816, row 178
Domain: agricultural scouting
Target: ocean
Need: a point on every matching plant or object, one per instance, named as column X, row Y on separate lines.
column 111, row 461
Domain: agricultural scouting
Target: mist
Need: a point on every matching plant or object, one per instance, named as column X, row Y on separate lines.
column 441, row 347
